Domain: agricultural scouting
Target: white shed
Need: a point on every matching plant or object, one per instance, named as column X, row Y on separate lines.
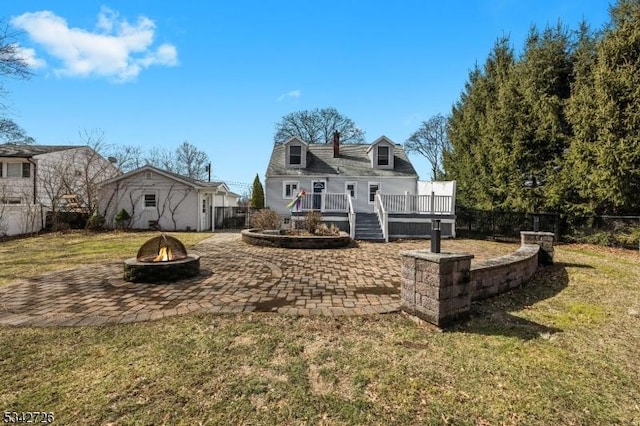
column 157, row 198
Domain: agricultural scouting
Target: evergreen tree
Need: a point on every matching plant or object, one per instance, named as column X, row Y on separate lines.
column 616, row 176
column 543, row 77
column 257, row 194
column 573, row 190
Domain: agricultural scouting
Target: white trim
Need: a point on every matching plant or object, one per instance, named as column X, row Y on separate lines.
column 313, row 193
column 355, row 188
column 144, row 200
column 318, row 180
column 293, row 192
column 388, row 148
column 288, row 153
column 369, row 190
column 20, row 174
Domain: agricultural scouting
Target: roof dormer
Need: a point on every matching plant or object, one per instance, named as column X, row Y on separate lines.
column 381, row 153
column 295, row 151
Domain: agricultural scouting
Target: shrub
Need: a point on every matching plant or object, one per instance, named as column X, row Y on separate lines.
column 235, row 222
column 311, row 221
column 266, row 219
column 122, row 218
column 327, row 231
column 95, row 222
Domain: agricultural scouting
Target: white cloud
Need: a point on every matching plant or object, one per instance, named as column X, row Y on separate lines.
column 29, row 56
column 294, row 94
column 117, row 49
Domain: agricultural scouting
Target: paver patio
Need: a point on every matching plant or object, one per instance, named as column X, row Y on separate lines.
column 235, row 277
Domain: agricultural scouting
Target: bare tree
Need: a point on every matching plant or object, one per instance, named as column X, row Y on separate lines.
column 127, row 157
column 161, row 158
column 191, row 162
column 431, row 140
column 317, row 126
column 13, row 64
column 174, row 199
column 30, row 214
column 76, row 173
column 3, row 208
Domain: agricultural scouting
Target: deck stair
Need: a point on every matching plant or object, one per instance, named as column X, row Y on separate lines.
column 368, row 227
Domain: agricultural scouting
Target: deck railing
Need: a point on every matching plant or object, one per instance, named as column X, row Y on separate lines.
column 410, row 203
column 325, row 202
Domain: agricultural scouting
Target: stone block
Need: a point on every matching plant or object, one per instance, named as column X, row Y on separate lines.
column 407, row 296
column 461, row 277
column 426, row 290
column 430, row 304
column 426, row 315
column 427, row 266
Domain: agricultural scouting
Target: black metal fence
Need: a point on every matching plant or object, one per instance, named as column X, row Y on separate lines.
column 233, row 217
column 503, row 224
column 616, row 231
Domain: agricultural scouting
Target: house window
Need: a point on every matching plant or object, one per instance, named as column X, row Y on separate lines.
column 373, row 188
column 295, row 155
column 204, row 206
column 383, row 156
column 0, row 169
column 350, row 188
column 289, row 189
column 150, row 200
column 18, row 170
column 11, row 200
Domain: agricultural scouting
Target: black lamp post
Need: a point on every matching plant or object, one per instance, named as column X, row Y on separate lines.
column 533, row 182
column 435, row 236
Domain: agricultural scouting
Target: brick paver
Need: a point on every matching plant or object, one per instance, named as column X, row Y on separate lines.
column 235, row 277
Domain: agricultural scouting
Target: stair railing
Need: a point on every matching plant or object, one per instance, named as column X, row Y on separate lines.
column 352, row 218
column 383, row 217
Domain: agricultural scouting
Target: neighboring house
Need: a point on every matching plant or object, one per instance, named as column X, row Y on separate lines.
column 156, row 198
column 370, row 190
column 35, row 179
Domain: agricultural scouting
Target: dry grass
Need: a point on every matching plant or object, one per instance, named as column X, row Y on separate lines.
column 27, row 257
column 561, row 350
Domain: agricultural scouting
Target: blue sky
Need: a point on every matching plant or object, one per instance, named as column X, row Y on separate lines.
column 221, row 74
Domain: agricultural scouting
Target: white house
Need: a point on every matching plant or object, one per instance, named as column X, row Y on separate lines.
column 370, row 190
column 156, row 198
column 35, row 179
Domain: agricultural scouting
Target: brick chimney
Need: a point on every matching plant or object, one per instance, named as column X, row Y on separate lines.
column 336, row 144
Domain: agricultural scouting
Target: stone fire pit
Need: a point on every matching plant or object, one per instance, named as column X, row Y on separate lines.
column 161, row 259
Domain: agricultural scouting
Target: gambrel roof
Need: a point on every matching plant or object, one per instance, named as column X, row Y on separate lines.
column 352, row 161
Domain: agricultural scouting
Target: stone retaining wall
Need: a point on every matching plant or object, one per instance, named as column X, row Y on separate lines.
column 439, row 287
column 501, row 274
column 250, row 236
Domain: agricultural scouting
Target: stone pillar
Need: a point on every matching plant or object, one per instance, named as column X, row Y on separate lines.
column 436, row 286
column 542, row 239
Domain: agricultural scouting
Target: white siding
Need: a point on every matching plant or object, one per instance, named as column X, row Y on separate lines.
column 177, row 206
column 20, row 219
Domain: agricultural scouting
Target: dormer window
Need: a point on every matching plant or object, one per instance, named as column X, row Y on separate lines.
column 295, row 155
column 383, row 156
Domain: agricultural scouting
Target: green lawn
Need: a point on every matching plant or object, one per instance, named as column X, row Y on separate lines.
column 565, row 349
